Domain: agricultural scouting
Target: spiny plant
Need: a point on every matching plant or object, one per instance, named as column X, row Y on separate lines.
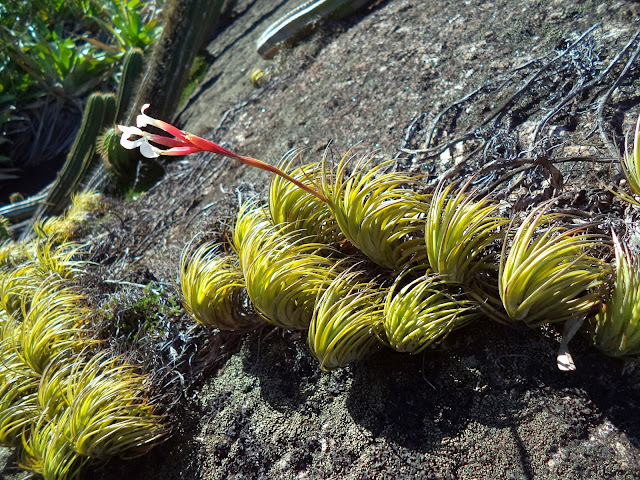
column 297, row 209
column 631, row 165
column 423, row 312
column 347, row 319
column 51, row 325
column 47, row 451
column 213, row 289
column 109, row 413
column 549, row 277
column 376, row 210
column 283, row 276
column 99, row 113
column 616, row 327
column 458, row 231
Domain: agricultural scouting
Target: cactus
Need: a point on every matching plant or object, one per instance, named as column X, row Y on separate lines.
column 121, row 163
column 296, row 20
column 131, row 71
column 187, row 25
column 99, row 111
column 110, row 110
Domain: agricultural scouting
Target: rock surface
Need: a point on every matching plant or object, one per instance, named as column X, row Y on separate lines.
column 489, row 402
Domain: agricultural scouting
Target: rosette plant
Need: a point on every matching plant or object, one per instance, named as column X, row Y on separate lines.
column 423, row 312
column 458, row 231
column 377, row 211
column 51, row 325
column 109, row 412
column 616, row 328
column 213, row 289
column 17, row 284
column 283, row 274
column 347, row 320
column 18, row 391
column 298, row 210
column 549, row 276
column 47, row 452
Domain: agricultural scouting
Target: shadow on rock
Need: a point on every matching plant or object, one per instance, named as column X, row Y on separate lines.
column 281, row 363
column 503, row 381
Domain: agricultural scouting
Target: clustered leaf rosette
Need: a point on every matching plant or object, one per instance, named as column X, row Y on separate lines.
column 109, row 412
column 549, row 277
column 458, row 231
column 377, row 211
column 45, row 349
column 47, row 451
column 347, row 320
column 213, row 289
column 299, row 211
column 424, row 312
column 18, row 393
column 283, row 273
column 631, row 164
column 615, row 330
column 51, row 325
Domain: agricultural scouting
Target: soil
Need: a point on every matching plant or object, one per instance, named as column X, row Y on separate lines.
column 487, row 403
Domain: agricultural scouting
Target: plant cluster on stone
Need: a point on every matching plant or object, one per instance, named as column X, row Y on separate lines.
column 377, row 257
column 64, row 399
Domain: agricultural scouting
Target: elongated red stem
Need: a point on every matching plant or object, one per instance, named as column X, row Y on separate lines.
column 252, row 162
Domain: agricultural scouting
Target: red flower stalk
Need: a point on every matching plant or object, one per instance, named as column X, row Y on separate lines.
column 183, row 143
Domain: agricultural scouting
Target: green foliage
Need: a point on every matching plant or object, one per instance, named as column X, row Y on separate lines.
column 423, row 312
column 616, row 328
column 55, row 63
column 119, row 162
column 198, row 71
column 4, row 225
column 135, row 315
column 347, row 319
column 125, row 20
column 377, row 211
column 63, row 50
column 549, row 277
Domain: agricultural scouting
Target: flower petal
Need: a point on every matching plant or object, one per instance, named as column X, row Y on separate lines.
column 147, row 150
column 127, row 133
column 143, row 120
column 165, row 141
column 204, row 144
